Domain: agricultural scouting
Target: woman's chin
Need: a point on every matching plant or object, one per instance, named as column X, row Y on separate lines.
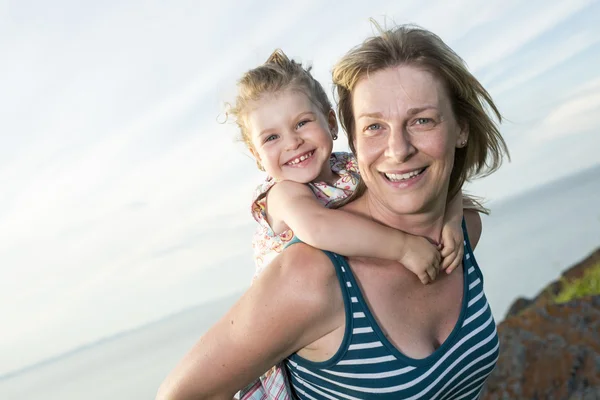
column 408, row 206
column 408, row 202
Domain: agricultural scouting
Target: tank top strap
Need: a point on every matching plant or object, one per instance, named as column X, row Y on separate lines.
column 368, row 365
column 294, row 240
column 345, row 277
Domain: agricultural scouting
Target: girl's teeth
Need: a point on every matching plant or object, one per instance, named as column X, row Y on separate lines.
column 300, row 159
column 403, row 177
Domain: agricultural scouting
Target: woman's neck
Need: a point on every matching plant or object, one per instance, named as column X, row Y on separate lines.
column 427, row 223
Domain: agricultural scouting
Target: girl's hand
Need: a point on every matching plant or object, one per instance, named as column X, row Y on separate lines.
column 421, row 257
column 452, row 246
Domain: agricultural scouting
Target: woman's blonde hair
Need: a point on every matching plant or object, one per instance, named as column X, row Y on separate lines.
column 471, row 103
column 277, row 74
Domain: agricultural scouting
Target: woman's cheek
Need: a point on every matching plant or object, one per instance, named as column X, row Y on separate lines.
column 437, row 147
column 366, row 155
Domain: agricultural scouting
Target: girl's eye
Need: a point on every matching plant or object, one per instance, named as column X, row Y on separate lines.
column 270, row 138
column 302, row 123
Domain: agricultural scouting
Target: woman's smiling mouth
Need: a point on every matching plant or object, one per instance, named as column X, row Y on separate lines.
column 404, row 176
column 404, row 179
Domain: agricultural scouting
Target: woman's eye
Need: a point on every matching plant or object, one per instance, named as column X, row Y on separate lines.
column 423, row 121
column 270, row 138
column 373, row 127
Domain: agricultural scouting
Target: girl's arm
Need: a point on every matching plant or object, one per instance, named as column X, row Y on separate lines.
column 452, row 233
column 295, row 205
column 286, row 309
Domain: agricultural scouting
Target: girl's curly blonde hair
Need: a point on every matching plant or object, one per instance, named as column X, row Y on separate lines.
column 277, row 74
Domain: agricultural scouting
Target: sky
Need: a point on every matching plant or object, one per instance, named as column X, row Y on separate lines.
column 124, row 199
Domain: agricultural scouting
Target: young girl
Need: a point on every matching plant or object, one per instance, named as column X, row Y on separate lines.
column 288, row 124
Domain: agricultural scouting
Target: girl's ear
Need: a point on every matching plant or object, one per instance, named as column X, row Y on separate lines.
column 332, row 123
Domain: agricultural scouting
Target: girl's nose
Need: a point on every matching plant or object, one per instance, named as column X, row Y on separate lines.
column 293, row 141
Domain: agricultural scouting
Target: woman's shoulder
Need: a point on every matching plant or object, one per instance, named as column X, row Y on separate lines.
column 473, row 227
column 307, row 262
column 307, row 273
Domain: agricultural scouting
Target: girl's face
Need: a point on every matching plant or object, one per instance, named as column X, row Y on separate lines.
column 291, row 137
column 406, row 136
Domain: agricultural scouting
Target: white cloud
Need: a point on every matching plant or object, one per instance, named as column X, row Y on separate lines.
column 579, row 114
column 537, row 64
column 519, row 25
column 587, row 87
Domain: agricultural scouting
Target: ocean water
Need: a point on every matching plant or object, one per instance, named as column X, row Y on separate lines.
column 526, row 243
column 130, row 366
column 529, row 240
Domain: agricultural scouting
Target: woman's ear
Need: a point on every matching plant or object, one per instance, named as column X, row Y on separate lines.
column 463, row 136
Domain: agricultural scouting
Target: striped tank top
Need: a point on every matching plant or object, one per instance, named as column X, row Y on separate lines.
column 368, row 366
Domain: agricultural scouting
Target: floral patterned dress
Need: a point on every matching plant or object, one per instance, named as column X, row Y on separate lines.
column 266, row 244
column 273, row 385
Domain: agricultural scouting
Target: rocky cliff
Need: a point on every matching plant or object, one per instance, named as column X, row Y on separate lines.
column 550, row 345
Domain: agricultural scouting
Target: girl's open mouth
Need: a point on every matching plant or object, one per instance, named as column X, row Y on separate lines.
column 300, row 159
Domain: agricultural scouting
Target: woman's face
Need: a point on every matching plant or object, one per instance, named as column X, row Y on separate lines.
column 405, row 138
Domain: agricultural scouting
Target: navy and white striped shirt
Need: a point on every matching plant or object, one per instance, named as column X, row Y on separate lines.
column 368, row 366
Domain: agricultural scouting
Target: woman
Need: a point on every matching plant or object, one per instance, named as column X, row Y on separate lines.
column 365, row 328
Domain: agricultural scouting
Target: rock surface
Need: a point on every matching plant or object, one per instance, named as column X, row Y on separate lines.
column 547, row 350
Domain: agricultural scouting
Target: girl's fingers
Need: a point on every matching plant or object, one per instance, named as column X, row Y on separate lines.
column 447, row 262
column 455, row 263
column 452, row 267
column 425, row 278
column 432, row 272
column 447, row 259
column 446, row 251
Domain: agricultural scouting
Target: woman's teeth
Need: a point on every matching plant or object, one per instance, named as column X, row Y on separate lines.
column 301, row 158
column 403, row 177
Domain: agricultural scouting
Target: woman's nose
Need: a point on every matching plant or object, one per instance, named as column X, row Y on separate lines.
column 399, row 146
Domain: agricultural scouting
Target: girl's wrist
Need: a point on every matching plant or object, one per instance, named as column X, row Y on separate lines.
column 401, row 247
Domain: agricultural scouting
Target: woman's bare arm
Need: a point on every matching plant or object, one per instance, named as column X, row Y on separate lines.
column 284, row 310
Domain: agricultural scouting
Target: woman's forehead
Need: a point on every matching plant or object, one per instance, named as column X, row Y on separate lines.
column 403, row 88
